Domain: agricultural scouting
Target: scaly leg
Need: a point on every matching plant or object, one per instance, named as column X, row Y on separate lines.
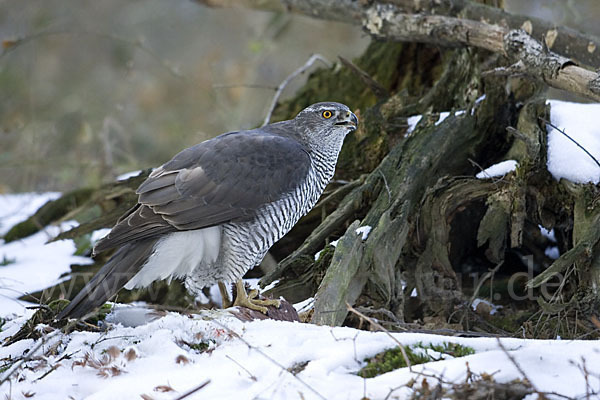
column 226, row 301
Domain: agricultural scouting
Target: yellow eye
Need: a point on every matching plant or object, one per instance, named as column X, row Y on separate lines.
column 327, row 114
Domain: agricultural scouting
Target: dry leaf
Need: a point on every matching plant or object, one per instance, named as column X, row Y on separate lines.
column 164, row 388
column 130, row 354
column 181, row 359
column 113, row 352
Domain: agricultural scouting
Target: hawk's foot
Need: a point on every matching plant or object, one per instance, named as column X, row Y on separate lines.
column 249, row 300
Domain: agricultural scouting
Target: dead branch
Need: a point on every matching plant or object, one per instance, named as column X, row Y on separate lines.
column 515, row 44
column 394, row 22
column 314, row 58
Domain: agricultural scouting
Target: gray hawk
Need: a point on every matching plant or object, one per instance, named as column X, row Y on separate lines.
column 214, row 210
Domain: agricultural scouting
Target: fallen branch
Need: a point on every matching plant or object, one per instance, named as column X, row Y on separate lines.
column 393, row 20
column 384, row 22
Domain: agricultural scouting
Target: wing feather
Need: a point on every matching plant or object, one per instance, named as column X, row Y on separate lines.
column 221, row 180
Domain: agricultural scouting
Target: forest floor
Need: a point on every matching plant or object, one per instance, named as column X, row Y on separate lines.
column 166, row 355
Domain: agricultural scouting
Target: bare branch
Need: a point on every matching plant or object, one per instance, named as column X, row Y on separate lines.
column 314, row 58
column 556, row 71
column 505, row 34
column 379, row 91
column 194, row 390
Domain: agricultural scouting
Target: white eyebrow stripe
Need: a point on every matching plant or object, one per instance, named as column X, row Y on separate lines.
column 325, row 108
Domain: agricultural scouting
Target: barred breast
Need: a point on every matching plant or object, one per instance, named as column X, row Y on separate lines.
column 243, row 245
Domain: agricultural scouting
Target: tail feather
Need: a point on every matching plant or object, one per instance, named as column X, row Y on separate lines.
column 122, row 266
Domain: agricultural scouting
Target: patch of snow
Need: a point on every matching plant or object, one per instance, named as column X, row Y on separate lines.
column 128, row 175
column 565, row 158
column 552, row 252
column 414, row 293
column 244, row 360
column 477, row 101
column 132, row 315
column 334, row 243
column 17, row 207
column 215, row 295
column 99, row 234
column 459, row 113
column 305, row 305
column 252, row 360
column 443, row 116
column 412, row 123
column 500, row 169
column 270, row 285
column 318, row 254
column 32, row 264
column 549, row 234
column 364, row 231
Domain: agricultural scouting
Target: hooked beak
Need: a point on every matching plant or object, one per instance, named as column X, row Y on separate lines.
column 350, row 120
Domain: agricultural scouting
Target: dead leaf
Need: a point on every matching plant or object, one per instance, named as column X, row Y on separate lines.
column 164, row 388
column 130, row 354
column 181, row 359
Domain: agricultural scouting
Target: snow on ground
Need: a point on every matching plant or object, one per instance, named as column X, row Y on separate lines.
column 251, row 361
column 565, row 158
column 30, row 264
column 14, row 208
column 165, row 355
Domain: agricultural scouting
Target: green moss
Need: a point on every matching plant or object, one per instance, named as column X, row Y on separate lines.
column 100, row 315
column 202, row 346
column 392, row 359
column 83, row 244
column 452, row 349
column 7, row 261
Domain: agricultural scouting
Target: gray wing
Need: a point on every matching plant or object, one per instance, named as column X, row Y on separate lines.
column 225, row 179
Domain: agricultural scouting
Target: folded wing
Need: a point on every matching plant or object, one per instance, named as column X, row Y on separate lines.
column 225, row 179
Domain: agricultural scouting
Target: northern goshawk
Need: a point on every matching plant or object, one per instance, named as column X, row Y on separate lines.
column 213, row 211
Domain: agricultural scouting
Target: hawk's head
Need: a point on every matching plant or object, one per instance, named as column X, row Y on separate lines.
column 325, row 121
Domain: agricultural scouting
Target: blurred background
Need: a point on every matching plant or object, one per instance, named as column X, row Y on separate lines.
column 90, row 89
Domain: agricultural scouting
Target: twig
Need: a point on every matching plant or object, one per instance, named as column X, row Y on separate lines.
column 268, row 357
column 194, row 390
column 56, row 365
column 550, row 124
column 387, row 187
column 382, row 329
column 252, row 376
column 28, row 356
column 379, row 91
column 43, row 340
column 488, row 275
column 314, row 58
column 516, row 364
